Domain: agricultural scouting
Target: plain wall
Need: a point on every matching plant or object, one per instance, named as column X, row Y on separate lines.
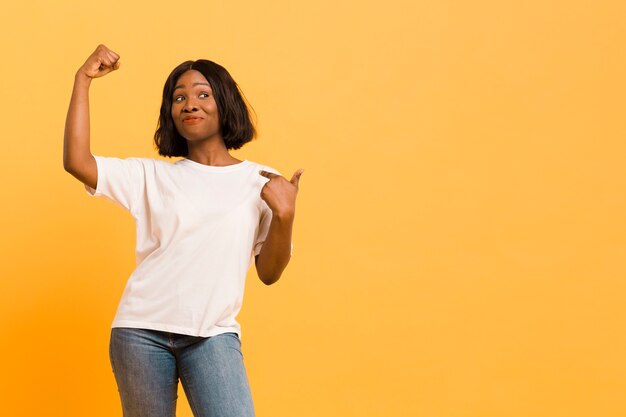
column 460, row 237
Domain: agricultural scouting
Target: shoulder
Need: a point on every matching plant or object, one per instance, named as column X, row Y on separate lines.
column 261, row 167
column 130, row 160
column 153, row 164
column 133, row 164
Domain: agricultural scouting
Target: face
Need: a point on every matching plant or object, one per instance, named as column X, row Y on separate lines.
column 194, row 110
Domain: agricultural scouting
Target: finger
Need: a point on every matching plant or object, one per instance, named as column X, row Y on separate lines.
column 105, row 69
column 105, row 49
column 113, row 57
column 115, row 65
column 108, row 63
column 269, row 175
column 101, row 52
column 296, row 177
column 107, row 60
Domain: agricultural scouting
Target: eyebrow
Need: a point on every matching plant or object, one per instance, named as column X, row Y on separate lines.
column 193, row 85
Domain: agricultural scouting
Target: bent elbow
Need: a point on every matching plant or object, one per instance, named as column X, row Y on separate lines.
column 68, row 166
column 269, row 279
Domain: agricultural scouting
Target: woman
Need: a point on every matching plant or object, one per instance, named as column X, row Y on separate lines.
column 199, row 222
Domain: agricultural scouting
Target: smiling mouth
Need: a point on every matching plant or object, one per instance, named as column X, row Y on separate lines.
column 191, row 120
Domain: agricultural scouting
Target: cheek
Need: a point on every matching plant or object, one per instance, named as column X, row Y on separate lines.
column 212, row 110
column 174, row 120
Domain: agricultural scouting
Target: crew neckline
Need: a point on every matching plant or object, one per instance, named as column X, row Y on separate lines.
column 214, row 168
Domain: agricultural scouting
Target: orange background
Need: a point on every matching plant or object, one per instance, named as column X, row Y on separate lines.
column 460, row 240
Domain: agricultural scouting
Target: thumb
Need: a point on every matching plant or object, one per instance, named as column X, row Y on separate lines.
column 105, row 68
column 296, row 177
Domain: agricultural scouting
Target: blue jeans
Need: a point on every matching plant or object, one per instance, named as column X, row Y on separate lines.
column 147, row 365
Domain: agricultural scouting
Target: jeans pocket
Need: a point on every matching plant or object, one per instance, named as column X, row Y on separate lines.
column 233, row 341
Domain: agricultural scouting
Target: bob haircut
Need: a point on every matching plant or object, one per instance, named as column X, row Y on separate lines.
column 234, row 117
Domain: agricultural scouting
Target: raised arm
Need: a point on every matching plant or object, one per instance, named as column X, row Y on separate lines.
column 77, row 157
column 280, row 195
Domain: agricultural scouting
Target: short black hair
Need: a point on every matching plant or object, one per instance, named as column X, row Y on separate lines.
column 235, row 122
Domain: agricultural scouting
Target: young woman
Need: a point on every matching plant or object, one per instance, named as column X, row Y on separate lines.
column 200, row 220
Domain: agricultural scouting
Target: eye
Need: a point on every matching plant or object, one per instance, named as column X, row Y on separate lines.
column 204, row 95
column 178, row 99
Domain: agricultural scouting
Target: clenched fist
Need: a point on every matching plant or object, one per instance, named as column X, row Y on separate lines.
column 100, row 62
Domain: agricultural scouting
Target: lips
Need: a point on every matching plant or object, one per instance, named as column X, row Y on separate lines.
column 191, row 120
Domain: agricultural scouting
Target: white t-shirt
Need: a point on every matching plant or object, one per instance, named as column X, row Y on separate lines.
column 198, row 227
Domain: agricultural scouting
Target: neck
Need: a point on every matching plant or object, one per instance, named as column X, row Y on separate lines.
column 212, row 153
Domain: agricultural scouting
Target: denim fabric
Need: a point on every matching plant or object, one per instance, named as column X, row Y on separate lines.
column 148, row 364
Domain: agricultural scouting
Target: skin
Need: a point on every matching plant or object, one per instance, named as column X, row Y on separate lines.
column 196, row 118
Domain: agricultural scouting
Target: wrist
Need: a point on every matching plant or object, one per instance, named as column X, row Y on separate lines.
column 284, row 215
column 82, row 79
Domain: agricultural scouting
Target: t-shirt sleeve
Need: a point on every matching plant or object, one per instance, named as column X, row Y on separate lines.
column 264, row 222
column 264, row 226
column 119, row 180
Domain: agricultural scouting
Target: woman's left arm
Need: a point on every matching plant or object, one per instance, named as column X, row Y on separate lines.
column 280, row 195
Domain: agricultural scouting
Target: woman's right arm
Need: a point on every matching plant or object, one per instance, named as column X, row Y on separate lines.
column 77, row 157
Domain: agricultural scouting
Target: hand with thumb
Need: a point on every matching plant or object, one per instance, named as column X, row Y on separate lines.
column 280, row 194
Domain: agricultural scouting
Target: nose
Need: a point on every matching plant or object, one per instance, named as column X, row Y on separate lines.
column 190, row 106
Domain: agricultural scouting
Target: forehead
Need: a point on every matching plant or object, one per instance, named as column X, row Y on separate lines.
column 191, row 78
